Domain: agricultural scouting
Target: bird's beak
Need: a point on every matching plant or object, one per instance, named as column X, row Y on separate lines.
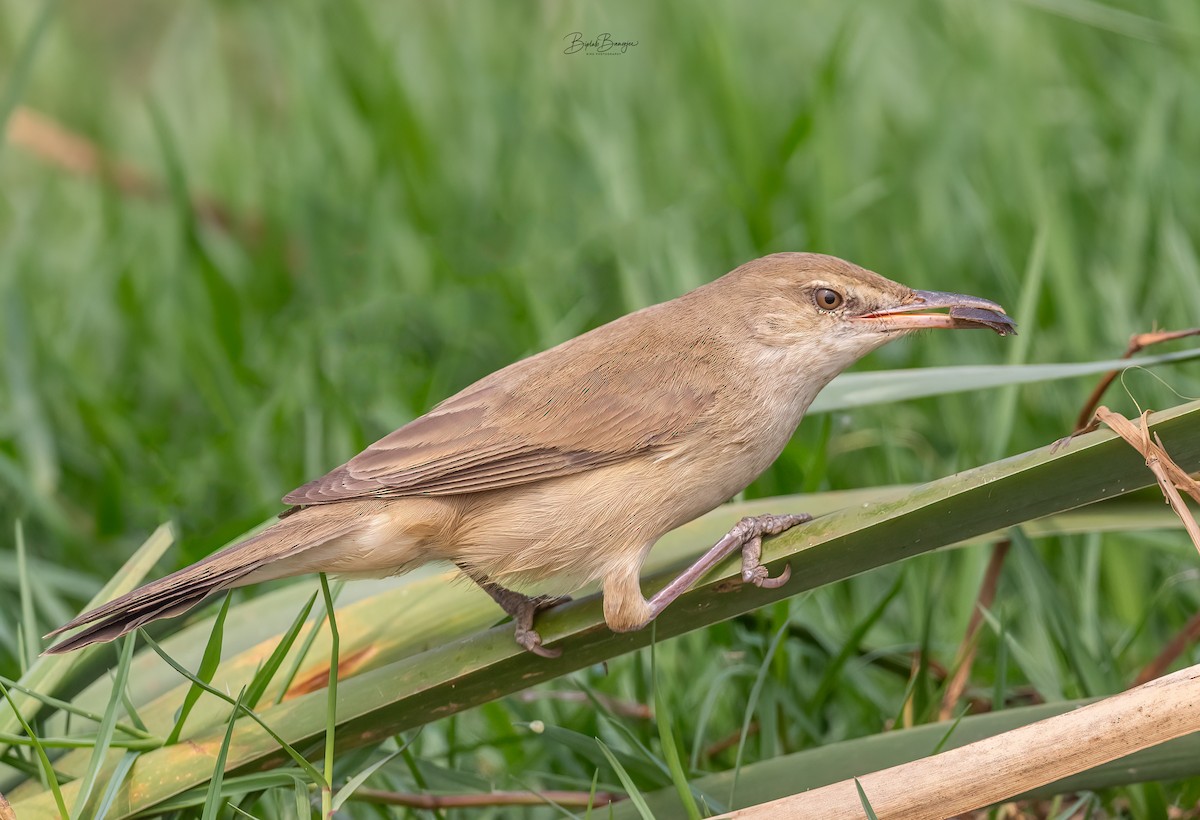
column 965, row 312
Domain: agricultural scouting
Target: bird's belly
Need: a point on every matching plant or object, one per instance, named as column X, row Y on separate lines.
column 584, row 526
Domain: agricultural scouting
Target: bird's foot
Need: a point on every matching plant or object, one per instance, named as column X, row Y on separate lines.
column 754, row 572
column 526, row 610
column 752, row 530
column 747, row 536
column 522, row 609
column 531, row 641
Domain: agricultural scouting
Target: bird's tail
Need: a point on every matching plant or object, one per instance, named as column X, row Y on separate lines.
column 182, row 590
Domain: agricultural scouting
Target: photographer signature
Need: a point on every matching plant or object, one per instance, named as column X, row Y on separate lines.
column 603, row 44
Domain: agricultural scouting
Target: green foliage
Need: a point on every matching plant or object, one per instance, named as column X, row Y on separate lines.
column 415, row 677
column 204, row 675
column 81, row 808
column 426, row 192
column 46, row 767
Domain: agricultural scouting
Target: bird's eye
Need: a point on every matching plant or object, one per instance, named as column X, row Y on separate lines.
column 828, row 299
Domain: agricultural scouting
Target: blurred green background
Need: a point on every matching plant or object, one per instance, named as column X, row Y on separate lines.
column 420, row 193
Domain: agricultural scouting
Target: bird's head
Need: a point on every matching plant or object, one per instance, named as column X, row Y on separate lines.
column 834, row 312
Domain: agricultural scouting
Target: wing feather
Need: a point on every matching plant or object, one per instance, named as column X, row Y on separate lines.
column 547, row 416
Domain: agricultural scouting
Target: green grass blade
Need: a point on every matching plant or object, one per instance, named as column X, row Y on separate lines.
column 1005, row 407
column 18, row 79
column 114, row 782
column 708, row 705
column 208, row 668
column 105, row 734
column 132, row 711
column 813, row 768
column 263, row 677
column 1044, row 676
column 941, row 744
column 752, row 704
column 291, row 752
column 650, row 766
column 213, row 800
column 832, row 671
column 82, row 742
column 347, row 791
column 669, row 748
column 585, row 746
column 48, row 671
column 47, row 769
column 884, row 386
column 300, row 795
column 866, row 804
column 305, row 646
column 331, row 699
column 239, row 785
column 635, row 795
column 29, row 636
column 592, row 794
column 484, row 664
column 74, row 709
column 384, row 227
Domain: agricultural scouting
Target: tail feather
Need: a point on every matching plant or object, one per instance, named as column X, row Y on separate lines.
column 114, row 626
column 180, row 591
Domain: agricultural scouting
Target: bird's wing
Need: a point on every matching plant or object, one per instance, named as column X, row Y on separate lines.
column 537, row 421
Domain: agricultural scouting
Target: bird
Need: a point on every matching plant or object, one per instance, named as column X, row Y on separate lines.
column 566, row 467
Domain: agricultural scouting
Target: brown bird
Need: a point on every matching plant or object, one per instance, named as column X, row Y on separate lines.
column 569, row 465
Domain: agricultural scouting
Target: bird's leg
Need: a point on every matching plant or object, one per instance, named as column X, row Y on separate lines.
column 747, row 536
column 522, row 609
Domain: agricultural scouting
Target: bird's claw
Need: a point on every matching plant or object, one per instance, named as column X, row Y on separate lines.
column 761, row 577
column 753, row 570
column 531, row 641
column 522, row 609
column 528, row 637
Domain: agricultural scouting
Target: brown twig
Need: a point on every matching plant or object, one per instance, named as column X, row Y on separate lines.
column 1137, row 343
column 998, row 768
column 1168, row 477
column 1171, row 479
column 56, row 145
column 1086, row 421
column 52, row 143
column 460, row 801
column 728, row 742
column 1176, row 647
column 933, row 666
column 965, row 657
column 6, row 810
column 916, row 660
column 907, row 708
